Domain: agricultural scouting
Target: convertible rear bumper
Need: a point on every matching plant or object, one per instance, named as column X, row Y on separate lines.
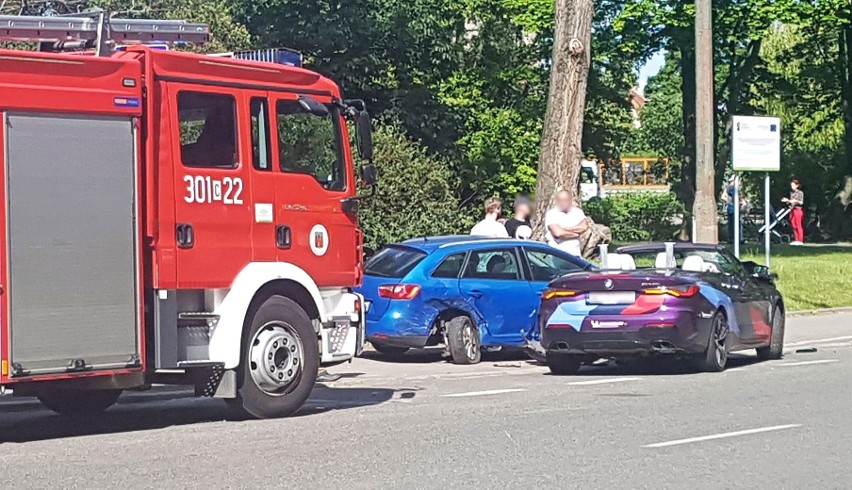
column 684, row 334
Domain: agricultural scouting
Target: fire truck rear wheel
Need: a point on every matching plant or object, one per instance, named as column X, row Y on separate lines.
column 280, row 360
column 78, row 402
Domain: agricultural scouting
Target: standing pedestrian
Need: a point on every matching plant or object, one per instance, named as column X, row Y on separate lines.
column 797, row 212
column 490, row 226
column 728, row 197
column 565, row 223
column 519, row 226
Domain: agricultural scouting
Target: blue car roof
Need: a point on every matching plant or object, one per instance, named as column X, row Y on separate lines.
column 432, row 243
column 452, row 243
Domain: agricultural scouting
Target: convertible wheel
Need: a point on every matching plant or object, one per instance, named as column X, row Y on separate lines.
column 775, row 349
column 716, row 356
column 562, row 364
column 389, row 350
column 463, row 340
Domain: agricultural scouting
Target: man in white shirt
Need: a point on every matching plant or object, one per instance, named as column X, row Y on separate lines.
column 565, row 223
column 489, row 226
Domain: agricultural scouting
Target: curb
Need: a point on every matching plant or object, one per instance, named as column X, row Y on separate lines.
column 823, row 311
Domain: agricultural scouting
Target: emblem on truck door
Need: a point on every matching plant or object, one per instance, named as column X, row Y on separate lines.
column 319, row 240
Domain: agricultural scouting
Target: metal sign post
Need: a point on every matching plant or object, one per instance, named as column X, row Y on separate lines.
column 766, row 207
column 737, row 230
column 756, row 147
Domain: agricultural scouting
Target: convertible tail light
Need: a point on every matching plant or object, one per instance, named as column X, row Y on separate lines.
column 558, row 293
column 676, row 291
column 399, row 291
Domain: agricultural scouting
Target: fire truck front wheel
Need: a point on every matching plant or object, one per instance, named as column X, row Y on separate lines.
column 78, row 402
column 280, row 360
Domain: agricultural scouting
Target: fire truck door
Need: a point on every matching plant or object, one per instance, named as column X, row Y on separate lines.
column 312, row 178
column 72, row 292
column 213, row 204
column 266, row 239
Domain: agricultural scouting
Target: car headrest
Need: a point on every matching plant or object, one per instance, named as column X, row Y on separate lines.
column 660, row 261
column 627, row 262
column 620, row 262
column 494, row 262
column 613, row 261
column 709, row 267
column 694, row 263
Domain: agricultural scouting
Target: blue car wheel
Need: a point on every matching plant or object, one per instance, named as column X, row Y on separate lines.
column 463, row 340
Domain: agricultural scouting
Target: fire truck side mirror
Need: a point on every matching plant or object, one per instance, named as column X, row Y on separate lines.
column 364, row 132
column 369, row 175
column 312, row 106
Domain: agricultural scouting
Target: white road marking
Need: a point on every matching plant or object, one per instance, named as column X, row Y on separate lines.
column 453, row 376
column 808, row 363
column 603, row 381
column 722, row 436
column 817, row 341
column 484, row 393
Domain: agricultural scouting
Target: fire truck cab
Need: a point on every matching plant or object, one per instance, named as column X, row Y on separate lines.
column 170, row 217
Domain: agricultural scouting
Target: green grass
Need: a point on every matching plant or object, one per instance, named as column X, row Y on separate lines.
column 809, row 277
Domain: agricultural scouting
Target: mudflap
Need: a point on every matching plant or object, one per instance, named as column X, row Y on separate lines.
column 342, row 337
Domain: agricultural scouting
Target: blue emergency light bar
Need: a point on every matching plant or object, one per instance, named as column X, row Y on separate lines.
column 281, row 56
column 157, row 46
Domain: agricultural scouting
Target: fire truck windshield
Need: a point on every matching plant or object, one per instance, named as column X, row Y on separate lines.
column 311, row 144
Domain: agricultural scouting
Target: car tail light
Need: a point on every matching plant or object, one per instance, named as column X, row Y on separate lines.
column 558, row 293
column 399, row 291
column 676, row 291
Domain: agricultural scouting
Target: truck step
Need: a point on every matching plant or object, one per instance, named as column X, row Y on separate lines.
column 189, row 318
column 197, row 315
column 201, row 364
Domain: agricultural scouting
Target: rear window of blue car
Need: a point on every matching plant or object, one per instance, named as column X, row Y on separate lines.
column 394, row 262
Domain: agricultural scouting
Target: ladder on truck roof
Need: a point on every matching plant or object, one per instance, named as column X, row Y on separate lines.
column 97, row 30
column 280, row 56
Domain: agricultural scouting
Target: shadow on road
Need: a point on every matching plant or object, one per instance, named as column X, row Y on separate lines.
column 661, row 367
column 433, row 355
column 25, row 420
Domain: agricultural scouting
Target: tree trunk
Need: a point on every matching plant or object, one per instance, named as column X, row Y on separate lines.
column 704, row 207
column 686, row 187
column 561, row 143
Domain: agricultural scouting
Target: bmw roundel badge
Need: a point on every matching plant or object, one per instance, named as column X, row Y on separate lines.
column 608, row 284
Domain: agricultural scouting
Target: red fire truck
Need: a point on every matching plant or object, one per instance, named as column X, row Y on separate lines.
column 172, row 218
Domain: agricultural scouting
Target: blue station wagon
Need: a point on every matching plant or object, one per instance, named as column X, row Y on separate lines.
column 467, row 293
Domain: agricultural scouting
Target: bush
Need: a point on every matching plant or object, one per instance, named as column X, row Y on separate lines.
column 638, row 217
column 414, row 196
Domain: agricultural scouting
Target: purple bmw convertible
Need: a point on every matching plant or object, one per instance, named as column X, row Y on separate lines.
column 689, row 300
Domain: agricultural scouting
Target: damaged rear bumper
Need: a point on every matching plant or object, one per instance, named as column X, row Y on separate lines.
column 407, row 341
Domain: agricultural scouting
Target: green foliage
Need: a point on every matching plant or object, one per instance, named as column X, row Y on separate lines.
column 638, row 217
column 414, row 196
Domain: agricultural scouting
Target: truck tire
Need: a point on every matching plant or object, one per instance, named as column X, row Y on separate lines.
column 463, row 340
column 280, row 360
column 78, row 403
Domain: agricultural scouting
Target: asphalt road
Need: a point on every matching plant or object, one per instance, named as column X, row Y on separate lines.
column 502, row 424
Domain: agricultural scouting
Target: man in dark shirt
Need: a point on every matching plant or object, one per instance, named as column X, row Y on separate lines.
column 519, row 226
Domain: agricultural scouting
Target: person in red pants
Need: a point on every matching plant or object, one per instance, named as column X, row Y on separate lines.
column 797, row 214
